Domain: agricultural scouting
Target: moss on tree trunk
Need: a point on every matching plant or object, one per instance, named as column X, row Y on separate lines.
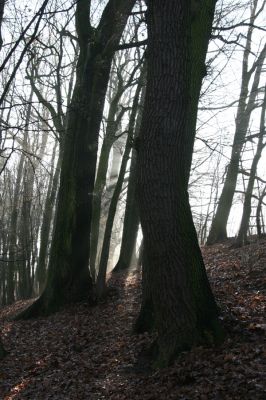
column 68, row 277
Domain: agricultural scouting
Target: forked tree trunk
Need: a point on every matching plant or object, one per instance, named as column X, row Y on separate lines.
column 185, row 312
column 68, row 277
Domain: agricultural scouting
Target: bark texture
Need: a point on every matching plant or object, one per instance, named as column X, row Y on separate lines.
column 185, row 312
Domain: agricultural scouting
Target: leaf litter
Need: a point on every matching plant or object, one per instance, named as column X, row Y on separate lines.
column 84, row 353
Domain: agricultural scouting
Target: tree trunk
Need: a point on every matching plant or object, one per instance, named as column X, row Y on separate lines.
column 258, row 212
column 100, row 285
column 2, row 6
column 242, row 234
column 46, row 225
column 68, row 277
column 185, row 312
column 100, row 182
column 131, row 223
column 245, row 107
column 113, row 128
column 13, row 249
column 24, row 281
column 201, row 25
column 131, row 218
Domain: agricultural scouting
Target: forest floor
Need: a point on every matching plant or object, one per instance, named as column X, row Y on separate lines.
column 85, row 353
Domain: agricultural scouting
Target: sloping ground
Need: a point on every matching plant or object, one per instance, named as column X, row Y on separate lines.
column 83, row 353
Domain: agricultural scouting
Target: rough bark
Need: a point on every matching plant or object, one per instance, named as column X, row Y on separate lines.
column 245, row 107
column 201, row 25
column 185, row 312
column 68, row 277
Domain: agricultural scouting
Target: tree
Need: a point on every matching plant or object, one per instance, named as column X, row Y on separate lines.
column 100, row 283
column 112, row 133
column 2, row 5
column 68, row 277
column 131, row 217
column 246, row 105
column 242, row 234
column 184, row 309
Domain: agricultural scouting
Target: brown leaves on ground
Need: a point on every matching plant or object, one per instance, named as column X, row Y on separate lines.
column 91, row 354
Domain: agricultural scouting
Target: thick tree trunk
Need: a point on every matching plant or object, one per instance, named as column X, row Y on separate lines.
column 242, row 234
column 68, row 277
column 202, row 17
column 185, row 312
column 245, row 107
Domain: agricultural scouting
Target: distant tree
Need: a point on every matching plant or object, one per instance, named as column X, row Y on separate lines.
column 183, row 306
column 117, row 110
column 244, row 225
column 131, row 218
column 249, row 88
column 100, row 283
column 259, row 223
